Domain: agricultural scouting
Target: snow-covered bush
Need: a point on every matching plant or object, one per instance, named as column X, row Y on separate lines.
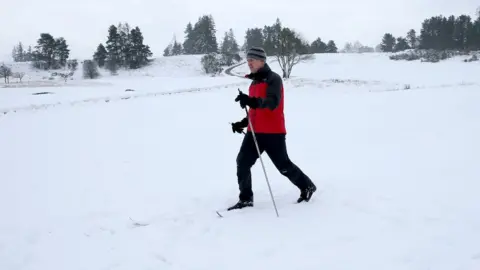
column 436, row 56
column 432, row 56
column 90, row 69
column 408, row 55
column 472, row 59
column 72, row 64
column 211, row 63
column 18, row 75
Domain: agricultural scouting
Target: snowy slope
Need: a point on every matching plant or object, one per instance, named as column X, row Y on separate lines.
column 376, row 72
column 397, row 172
column 164, row 75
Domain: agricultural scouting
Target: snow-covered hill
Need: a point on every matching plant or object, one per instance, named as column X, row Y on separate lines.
column 397, row 173
column 377, row 69
column 175, row 66
column 164, row 75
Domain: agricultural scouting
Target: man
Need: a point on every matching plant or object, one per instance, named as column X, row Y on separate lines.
column 265, row 101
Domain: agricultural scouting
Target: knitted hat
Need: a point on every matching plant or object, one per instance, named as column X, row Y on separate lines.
column 257, row 53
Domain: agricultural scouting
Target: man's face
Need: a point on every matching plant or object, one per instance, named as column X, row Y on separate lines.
column 255, row 64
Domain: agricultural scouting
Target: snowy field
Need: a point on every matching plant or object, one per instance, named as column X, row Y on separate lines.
column 393, row 148
column 165, row 75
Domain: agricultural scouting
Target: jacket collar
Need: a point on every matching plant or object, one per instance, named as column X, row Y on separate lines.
column 260, row 74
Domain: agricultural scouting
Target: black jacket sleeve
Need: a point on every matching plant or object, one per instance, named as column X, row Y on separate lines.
column 274, row 87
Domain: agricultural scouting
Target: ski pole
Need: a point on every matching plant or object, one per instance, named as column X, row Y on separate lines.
column 261, row 161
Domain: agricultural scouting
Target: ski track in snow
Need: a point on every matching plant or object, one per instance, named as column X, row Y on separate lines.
column 107, row 99
column 397, row 173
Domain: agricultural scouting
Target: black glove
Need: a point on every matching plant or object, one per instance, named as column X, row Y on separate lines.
column 246, row 100
column 239, row 126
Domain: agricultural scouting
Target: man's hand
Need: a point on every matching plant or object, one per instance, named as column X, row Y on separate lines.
column 246, row 100
column 239, row 126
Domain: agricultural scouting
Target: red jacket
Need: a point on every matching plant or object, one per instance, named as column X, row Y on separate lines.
column 268, row 116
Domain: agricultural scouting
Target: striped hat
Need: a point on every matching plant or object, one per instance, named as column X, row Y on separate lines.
column 257, row 53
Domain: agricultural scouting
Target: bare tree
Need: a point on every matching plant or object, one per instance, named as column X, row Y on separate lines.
column 66, row 75
column 290, row 49
column 90, row 69
column 18, row 75
column 5, row 72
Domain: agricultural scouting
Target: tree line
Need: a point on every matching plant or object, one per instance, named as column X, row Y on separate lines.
column 461, row 33
column 124, row 47
column 200, row 38
column 283, row 43
column 49, row 53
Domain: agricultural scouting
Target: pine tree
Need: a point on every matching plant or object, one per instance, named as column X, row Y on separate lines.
column 253, row 38
column 204, row 33
column 212, row 45
column 401, row 45
column 476, row 33
column 271, row 35
column 45, row 51
column 441, row 33
column 124, row 48
column 21, row 52
column 445, row 32
column 125, row 43
column 100, row 55
column 177, row 47
column 331, row 47
column 318, row 46
column 15, row 54
column 229, row 48
column 229, row 44
column 188, row 44
column 168, row 50
column 233, row 42
column 463, row 24
column 61, row 51
column 225, row 46
column 114, row 49
column 139, row 52
column 426, row 34
column 412, row 38
column 174, row 48
column 29, row 54
column 388, row 43
column 18, row 53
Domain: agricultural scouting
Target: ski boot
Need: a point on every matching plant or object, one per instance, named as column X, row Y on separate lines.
column 307, row 193
column 241, row 204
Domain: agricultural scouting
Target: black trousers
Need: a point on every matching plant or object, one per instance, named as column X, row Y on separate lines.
column 275, row 146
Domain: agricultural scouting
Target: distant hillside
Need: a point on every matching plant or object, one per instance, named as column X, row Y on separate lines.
column 174, row 66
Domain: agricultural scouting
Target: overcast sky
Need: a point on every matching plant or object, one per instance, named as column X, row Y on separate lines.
column 84, row 23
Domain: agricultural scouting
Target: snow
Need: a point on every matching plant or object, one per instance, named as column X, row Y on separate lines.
column 397, row 172
column 165, row 75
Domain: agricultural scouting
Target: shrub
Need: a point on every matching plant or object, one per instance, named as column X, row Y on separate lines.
column 90, row 69
column 211, row 64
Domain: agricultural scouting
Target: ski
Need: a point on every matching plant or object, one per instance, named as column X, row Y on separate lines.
column 221, row 213
column 138, row 224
